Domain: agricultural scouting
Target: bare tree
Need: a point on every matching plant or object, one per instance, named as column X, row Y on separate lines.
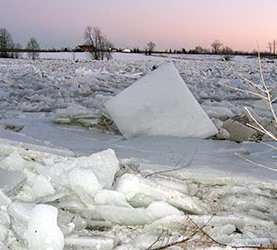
column 6, row 43
column 97, row 44
column 274, row 46
column 216, row 45
column 227, row 50
column 150, row 47
column 33, row 48
column 270, row 47
column 17, row 48
column 199, row 50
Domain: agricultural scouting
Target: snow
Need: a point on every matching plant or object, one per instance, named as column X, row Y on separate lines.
column 159, row 104
column 98, row 190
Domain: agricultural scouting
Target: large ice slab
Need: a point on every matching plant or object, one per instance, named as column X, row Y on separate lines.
column 160, row 104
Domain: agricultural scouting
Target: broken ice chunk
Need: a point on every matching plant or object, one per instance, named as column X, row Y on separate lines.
column 42, row 187
column 20, row 214
column 4, row 200
column 90, row 242
column 10, row 180
column 69, row 222
column 4, row 219
column 84, row 183
column 13, row 162
column 111, row 197
column 3, row 233
column 139, row 190
column 103, row 164
column 137, row 216
column 43, row 232
column 3, row 247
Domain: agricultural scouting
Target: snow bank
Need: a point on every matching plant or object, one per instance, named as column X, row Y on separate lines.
column 160, row 104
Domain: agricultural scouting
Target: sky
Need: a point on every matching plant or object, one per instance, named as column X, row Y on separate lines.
column 170, row 24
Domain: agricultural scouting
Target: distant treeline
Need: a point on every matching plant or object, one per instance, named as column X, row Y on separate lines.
column 138, row 51
column 100, row 47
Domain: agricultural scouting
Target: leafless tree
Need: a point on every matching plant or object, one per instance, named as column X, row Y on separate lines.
column 227, row 50
column 270, row 47
column 216, row 45
column 33, row 48
column 199, row 50
column 6, row 43
column 97, row 43
column 274, row 46
column 150, row 47
column 17, row 48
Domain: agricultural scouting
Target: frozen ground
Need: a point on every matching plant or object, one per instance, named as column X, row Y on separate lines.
column 144, row 193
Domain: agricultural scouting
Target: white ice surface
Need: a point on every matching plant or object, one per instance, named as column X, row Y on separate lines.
column 208, row 157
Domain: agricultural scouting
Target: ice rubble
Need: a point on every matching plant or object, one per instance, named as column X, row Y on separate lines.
column 160, row 104
column 103, row 215
column 54, row 87
column 89, row 205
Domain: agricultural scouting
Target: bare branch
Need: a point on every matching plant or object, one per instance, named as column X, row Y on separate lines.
column 255, row 163
column 260, row 127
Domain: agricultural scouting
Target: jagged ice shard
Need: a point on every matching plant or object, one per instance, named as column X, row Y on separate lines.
column 160, row 104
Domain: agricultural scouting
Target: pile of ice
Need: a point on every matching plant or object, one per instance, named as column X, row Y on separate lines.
column 51, row 201
column 58, row 89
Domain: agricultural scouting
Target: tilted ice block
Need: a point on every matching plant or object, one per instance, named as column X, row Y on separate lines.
column 160, row 104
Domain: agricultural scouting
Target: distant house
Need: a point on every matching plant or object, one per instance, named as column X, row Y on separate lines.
column 86, row 47
column 89, row 47
column 126, row 50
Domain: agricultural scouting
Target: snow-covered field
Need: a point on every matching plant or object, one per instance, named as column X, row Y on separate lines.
column 97, row 190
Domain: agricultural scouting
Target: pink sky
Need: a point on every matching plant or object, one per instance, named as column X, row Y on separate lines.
column 127, row 23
